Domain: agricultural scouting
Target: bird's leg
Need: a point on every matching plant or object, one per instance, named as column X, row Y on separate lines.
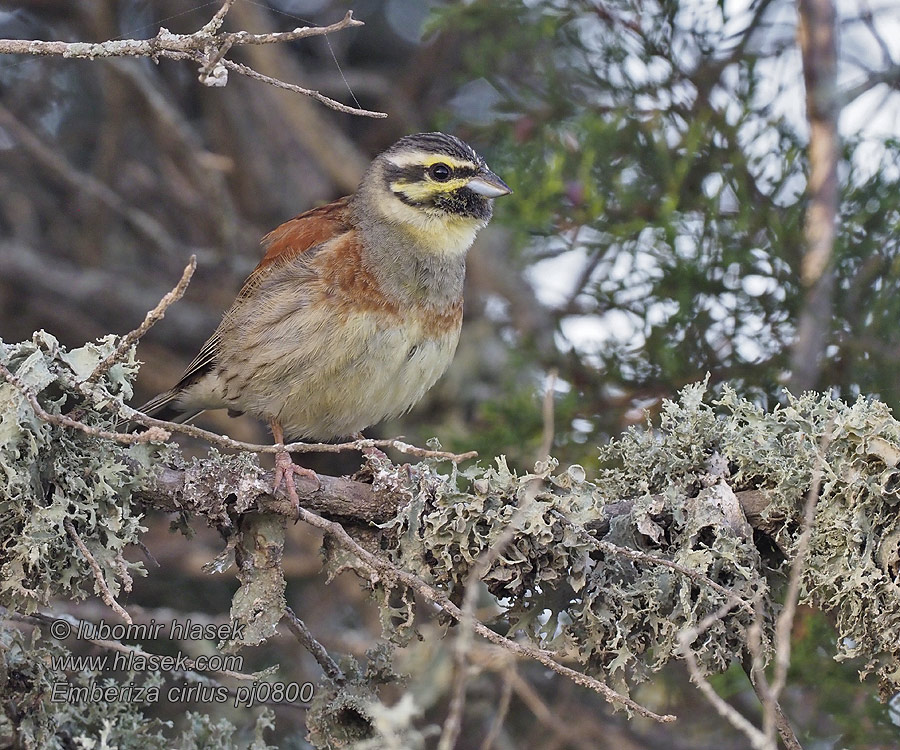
column 285, row 468
column 370, row 451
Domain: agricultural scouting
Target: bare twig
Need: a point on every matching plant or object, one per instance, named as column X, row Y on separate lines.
column 308, row 641
column 378, row 568
column 773, row 716
column 172, row 489
column 782, row 723
column 868, row 19
column 152, row 317
column 638, row 556
column 327, row 101
column 207, row 46
column 105, row 593
column 215, row 23
column 547, row 416
column 463, row 643
column 155, row 434
column 223, row 441
column 502, row 708
column 758, row 739
column 453, row 722
column 167, row 44
column 889, row 76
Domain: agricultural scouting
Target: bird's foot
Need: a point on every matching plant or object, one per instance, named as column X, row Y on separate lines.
column 285, row 469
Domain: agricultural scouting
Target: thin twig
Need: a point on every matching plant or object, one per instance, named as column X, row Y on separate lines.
column 105, row 593
column 223, row 441
column 638, row 556
column 153, row 435
column 308, row 641
column 212, row 67
column 502, row 709
column 782, row 723
column 165, row 43
column 547, row 415
column 207, row 46
column 774, row 718
column 453, row 723
column 463, row 643
column 785, row 623
column 327, row 101
column 215, row 23
column 152, row 317
column 758, row 739
column 378, row 568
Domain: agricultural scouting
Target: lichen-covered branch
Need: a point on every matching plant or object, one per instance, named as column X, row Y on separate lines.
column 661, row 546
column 151, row 319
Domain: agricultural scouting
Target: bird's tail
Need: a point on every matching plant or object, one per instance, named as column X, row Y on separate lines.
column 166, row 406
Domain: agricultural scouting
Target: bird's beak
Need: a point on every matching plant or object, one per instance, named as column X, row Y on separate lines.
column 488, row 185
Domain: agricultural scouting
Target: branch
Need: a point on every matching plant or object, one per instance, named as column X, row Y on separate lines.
column 152, row 317
column 816, row 33
column 378, row 568
column 308, row 641
column 889, row 76
column 638, row 556
column 105, row 593
column 167, row 44
column 206, row 46
column 223, row 441
column 758, row 739
column 175, row 489
column 155, row 434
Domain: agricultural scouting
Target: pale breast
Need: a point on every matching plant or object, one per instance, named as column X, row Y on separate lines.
column 325, row 373
column 390, row 370
column 317, row 344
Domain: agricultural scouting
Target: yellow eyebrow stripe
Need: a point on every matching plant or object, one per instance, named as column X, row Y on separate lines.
column 426, row 159
column 421, row 190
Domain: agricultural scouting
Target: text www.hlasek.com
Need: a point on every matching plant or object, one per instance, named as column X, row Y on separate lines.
column 134, row 660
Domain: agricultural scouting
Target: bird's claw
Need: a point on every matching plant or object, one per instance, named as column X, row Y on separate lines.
column 285, row 469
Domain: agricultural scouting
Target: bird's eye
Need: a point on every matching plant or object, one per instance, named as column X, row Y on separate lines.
column 439, row 172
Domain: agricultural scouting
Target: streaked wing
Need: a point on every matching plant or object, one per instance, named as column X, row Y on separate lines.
column 304, row 232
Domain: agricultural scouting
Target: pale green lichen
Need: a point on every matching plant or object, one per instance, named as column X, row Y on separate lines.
column 50, row 474
column 91, row 720
column 665, row 490
column 621, row 618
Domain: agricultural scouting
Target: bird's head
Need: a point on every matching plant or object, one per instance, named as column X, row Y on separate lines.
column 435, row 187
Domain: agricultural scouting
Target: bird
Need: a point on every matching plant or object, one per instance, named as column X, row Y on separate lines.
column 355, row 309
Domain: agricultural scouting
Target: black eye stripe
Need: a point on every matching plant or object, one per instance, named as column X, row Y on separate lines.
column 419, row 173
column 412, row 173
